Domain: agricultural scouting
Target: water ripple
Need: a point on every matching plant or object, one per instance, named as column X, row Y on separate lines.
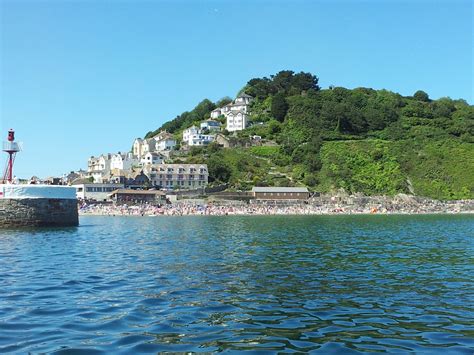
column 340, row 284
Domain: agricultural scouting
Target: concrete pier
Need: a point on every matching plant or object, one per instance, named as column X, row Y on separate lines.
column 37, row 205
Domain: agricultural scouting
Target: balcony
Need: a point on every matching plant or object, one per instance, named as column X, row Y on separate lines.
column 11, row 147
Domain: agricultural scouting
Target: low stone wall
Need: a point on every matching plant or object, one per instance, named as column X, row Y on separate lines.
column 36, row 212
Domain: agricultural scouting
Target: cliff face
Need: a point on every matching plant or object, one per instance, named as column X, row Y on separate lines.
column 38, row 212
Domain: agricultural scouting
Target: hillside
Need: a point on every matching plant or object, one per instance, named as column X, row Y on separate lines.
column 362, row 140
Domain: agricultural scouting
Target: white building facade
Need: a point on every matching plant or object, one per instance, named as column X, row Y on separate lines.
column 178, row 176
column 236, row 112
column 152, row 158
column 236, row 121
column 188, row 132
column 216, row 113
column 98, row 167
column 123, row 161
column 165, row 144
column 210, row 125
column 200, row 139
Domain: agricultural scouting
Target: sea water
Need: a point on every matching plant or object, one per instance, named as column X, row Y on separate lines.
column 329, row 284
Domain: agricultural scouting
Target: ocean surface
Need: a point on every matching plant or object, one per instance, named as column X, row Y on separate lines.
column 328, row 284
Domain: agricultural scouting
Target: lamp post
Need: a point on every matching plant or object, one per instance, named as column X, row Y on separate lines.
column 11, row 148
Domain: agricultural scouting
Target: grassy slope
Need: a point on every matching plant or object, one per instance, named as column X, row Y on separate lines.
column 438, row 169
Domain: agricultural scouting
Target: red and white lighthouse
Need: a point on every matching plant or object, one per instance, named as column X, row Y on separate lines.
column 11, row 148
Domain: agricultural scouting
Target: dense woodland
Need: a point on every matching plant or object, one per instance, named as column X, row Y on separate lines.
column 361, row 140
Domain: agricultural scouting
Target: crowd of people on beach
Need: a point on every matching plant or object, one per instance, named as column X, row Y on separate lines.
column 190, row 208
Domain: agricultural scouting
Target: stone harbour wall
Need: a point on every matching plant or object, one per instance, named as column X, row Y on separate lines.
column 38, row 212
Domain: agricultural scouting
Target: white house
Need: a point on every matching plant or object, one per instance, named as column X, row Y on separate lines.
column 178, row 176
column 211, row 125
column 193, row 130
column 162, row 135
column 137, row 147
column 123, row 161
column 98, row 167
column 149, row 145
column 216, row 113
column 243, row 99
column 239, row 107
column 165, row 144
column 226, row 108
column 236, row 112
column 152, row 158
column 236, row 121
column 200, row 139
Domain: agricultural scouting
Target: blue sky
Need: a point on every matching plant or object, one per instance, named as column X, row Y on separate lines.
column 81, row 78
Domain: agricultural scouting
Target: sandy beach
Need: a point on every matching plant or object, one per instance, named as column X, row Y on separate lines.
column 202, row 208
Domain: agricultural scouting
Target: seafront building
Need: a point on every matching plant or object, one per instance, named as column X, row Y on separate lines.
column 95, row 192
column 280, row 193
column 178, row 176
column 130, row 196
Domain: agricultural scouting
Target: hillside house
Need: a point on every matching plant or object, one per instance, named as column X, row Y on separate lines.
column 123, row 161
column 152, row 158
column 165, row 144
column 236, row 121
column 200, row 140
column 143, row 146
column 211, row 125
column 216, row 113
column 188, row 132
column 97, row 167
column 243, row 99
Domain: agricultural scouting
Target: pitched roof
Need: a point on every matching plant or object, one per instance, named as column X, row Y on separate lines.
column 233, row 113
column 245, row 95
column 137, row 192
column 279, row 189
column 155, row 154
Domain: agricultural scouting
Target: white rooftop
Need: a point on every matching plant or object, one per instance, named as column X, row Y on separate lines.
column 279, row 189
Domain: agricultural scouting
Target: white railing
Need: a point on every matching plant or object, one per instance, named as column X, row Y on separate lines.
column 11, row 146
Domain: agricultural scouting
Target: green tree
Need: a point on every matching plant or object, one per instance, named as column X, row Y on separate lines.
column 420, row 95
column 279, row 107
column 224, row 101
column 219, row 170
